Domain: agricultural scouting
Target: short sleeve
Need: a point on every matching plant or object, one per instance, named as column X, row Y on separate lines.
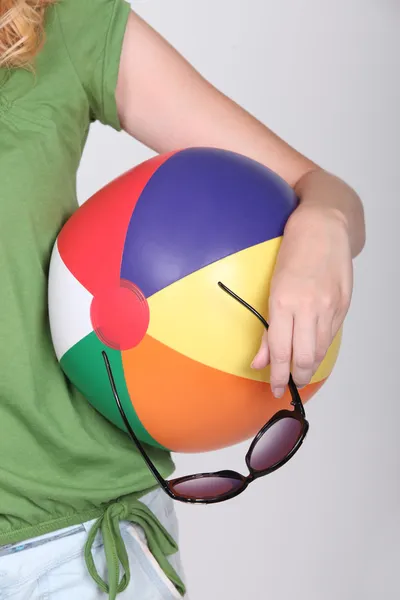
column 93, row 32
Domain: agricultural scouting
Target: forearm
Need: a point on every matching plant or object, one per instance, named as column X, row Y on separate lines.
column 165, row 103
column 319, row 189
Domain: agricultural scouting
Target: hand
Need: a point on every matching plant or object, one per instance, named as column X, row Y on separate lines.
column 310, row 296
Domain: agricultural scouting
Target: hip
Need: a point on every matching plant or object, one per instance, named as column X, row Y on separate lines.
column 52, row 566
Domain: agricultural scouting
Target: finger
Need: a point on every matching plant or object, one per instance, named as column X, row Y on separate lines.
column 304, row 347
column 337, row 323
column 280, row 336
column 261, row 359
column 324, row 339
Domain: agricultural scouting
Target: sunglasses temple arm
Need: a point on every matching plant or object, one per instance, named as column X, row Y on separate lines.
column 142, row 451
column 296, row 399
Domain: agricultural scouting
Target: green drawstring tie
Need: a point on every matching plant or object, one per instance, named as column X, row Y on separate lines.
column 159, row 541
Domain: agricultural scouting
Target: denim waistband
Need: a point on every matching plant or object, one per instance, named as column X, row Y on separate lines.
column 106, row 530
column 40, row 540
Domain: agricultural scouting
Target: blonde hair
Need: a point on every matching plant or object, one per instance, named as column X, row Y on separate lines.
column 21, row 31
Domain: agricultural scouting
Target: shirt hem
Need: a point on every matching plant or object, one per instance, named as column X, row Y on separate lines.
column 78, row 518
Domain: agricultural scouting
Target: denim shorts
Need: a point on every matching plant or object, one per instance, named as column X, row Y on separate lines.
column 52, row 567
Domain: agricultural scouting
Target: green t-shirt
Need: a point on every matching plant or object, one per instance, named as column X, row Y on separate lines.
column 61, row 462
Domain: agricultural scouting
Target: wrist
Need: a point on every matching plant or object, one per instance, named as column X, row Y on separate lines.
column 326, row 198
column 311, row 216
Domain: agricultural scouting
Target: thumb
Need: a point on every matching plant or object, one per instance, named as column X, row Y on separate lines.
column 261, row 359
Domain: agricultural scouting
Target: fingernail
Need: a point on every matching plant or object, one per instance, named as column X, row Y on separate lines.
column 278, row 392
column 252, row 364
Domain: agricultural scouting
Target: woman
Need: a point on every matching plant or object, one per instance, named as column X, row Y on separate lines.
column 69, row 480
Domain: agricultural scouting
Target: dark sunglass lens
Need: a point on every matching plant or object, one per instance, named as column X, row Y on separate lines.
column 276, row 443
column 205, row 488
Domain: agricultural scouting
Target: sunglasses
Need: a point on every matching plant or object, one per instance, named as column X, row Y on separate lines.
column 273, row 446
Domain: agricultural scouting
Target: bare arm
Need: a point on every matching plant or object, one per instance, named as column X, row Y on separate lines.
column 166, row 104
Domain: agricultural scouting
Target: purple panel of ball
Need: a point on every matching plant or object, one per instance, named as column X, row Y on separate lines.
column 200, row 206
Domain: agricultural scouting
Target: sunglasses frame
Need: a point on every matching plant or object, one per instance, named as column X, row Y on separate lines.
column 167, row 485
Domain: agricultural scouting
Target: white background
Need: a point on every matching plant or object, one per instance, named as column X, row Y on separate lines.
column 325, row 76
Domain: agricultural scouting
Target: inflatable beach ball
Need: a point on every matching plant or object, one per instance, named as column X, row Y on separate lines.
column 135, row 273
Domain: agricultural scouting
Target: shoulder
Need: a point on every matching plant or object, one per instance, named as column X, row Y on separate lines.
column 93, row 32
column 88, row 25
column 88, row 18
column 70, row 8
